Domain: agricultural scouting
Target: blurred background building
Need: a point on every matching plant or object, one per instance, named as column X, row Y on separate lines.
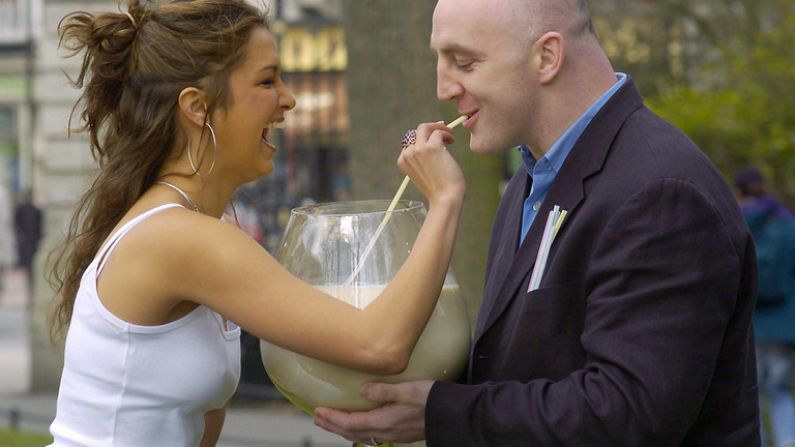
column 16, row 91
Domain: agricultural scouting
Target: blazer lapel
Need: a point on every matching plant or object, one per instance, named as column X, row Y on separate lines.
column 506, row 243
column 585, row 159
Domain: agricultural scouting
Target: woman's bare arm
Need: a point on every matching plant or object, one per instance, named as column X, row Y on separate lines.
column 213, row 423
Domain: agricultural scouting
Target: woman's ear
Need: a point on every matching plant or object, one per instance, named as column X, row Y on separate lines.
column 193, row 105
column 549, row 55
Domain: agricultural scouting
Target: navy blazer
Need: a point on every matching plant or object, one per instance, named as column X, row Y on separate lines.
column 640, row 333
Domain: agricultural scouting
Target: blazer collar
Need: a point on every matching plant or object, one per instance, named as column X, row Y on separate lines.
column 586, row 159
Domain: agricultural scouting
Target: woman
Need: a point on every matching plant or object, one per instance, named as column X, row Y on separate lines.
column 179, row 100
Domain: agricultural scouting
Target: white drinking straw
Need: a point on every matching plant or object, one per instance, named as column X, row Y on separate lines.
column 388, row 213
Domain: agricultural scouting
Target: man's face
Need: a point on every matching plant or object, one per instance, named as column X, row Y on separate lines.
column 484, row 66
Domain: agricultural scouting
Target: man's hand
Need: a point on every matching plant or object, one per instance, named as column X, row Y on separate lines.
column 400, row 419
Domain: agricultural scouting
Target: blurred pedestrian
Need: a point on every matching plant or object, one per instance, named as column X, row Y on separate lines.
column 773, row 228
column 27, row 225
column 8, row 254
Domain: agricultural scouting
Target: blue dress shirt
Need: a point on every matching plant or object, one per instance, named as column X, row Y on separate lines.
column 543, row 171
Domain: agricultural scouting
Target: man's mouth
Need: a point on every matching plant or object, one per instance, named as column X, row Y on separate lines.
column 473, row 116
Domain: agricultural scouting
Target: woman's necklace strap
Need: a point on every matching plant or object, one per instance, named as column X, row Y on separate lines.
column 184, row 195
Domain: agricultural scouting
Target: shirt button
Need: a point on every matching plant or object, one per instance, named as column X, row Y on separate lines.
column 536, row 206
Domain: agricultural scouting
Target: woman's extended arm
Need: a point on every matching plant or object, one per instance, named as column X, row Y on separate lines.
column 244, row 283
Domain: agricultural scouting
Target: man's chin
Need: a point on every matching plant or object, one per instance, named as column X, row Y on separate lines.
column 481, row 147
column 476, row 146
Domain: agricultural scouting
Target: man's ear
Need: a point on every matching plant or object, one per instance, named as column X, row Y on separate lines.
column 193, row 105
column 549, row 54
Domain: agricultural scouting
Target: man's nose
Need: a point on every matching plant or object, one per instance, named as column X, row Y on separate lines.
column 447, row 87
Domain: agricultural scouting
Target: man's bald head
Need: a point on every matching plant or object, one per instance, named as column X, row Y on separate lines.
column 572, row 18
column 530, row 18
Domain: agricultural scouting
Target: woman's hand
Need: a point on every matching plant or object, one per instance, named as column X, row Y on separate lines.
column 431, row 167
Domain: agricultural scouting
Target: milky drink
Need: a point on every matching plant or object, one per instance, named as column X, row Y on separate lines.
column 440, row 354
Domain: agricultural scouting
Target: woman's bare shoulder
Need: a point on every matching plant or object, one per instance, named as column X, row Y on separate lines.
column 168, row 258
column 179, row 233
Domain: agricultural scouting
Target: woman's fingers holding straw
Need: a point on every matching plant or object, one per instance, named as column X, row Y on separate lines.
column 430, row 166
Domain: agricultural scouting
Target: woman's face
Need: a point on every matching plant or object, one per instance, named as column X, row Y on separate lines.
column 258, row 98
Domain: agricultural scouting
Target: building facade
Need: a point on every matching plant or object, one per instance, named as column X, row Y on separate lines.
column 16, row 95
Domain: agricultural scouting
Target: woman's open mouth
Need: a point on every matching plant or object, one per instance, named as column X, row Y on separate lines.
column 265, row 141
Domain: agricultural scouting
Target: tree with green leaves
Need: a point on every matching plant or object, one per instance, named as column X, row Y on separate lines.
column 721, row 70
column 740, row 108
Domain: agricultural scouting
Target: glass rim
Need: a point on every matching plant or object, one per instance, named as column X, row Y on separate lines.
column 339, row 208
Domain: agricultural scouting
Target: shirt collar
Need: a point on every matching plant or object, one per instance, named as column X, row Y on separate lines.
column 560, row 149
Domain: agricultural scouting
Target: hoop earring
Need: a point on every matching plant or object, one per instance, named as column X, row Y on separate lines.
column 215, row 152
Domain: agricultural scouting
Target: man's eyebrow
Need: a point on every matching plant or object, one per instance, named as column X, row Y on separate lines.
column 268, row 67
column 455, row 49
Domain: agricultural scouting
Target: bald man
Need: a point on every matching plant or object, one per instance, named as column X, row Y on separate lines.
column 636, row 331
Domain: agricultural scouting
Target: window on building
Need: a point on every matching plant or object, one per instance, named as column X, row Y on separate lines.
column 8, row 124
column 13, row 20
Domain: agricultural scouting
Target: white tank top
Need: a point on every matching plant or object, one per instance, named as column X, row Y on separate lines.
column 127, row 385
